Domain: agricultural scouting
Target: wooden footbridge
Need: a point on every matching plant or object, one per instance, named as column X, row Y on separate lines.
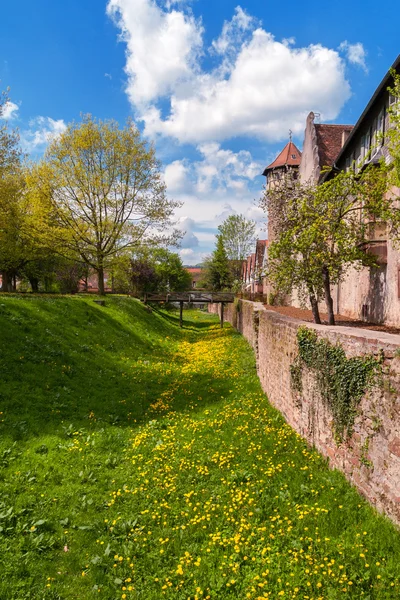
column 192, row 298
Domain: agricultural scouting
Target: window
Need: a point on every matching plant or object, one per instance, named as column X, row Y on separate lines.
column 362, row 149
column 358, row 157
column 394, row 105
column 293, row 156
column 380, row 127
column 374, row 141
column 367, row 145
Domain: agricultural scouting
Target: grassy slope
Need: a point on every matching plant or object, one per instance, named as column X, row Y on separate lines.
column 138, row 461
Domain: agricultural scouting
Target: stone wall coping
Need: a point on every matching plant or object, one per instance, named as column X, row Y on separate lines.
column 362, row 335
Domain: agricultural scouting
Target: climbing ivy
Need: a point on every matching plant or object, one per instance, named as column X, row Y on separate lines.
column 341, row 381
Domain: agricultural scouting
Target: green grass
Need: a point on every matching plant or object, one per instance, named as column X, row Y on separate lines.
column 143, row 462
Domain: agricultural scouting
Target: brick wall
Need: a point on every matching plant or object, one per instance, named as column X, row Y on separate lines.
column 371, row 458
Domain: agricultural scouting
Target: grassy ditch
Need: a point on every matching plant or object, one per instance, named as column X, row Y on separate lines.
column 139, row 461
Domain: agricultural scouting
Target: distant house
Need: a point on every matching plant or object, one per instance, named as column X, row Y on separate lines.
column 196, row 275
column 252, row 269
column 260, row 265
column 91, row 284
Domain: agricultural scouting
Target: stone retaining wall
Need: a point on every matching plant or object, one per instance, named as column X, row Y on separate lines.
column 371, row 458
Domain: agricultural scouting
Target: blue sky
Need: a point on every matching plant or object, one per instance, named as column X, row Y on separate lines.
column 216, row 85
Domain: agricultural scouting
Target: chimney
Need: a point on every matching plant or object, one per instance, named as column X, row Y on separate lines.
column 345, row 135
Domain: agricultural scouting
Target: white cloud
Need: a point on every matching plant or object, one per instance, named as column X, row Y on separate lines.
column 220, row 183
column 218, row 171
column 170, row 3
column 233, row 32
column 262, row 87
column 162, row 47
column 42, row 130
column 189, row 240
column 9, row 110
column 355, row 53
column 175, row 176
column 224, row 168
column 192, row 257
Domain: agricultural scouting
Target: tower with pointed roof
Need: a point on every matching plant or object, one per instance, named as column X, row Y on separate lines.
column 287, row 160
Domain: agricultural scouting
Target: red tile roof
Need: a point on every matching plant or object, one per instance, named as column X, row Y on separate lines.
column 290, row 156
column 194, row 269
column 330, row 141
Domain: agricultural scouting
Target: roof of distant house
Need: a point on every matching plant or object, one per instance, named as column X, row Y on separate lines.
column 330, row 142
column 289, row 156
column 194, row 269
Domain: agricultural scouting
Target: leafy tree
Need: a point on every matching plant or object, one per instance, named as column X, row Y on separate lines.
column 393, row 133
column 323, row 229
column 105, row 191
column 172, row 275
column 157, row 270
column 238, row 236
column 292, row 257
column 219, row 272
column 143, row 275
column 15, row 246
column 346, row 210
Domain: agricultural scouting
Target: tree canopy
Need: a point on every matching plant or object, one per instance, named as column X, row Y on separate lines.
column 393, row 133
column 238, row 236
column 218, row 275
column 104, row 190
column 323, row 229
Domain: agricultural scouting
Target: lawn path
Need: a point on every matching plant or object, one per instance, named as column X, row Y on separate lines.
column 232, row 503
column 174, row 479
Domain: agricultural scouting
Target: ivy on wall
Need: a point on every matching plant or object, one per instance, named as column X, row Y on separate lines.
column 341, row 381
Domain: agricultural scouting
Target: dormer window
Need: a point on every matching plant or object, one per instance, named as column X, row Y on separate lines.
column 293, row 156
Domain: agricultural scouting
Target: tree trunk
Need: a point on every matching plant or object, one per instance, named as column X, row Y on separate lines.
column 6, row 285
column 328, row 295
column 100, row 279
column 315, row 309
column 34, row 284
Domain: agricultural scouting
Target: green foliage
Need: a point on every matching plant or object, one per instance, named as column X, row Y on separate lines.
column 218, row 272
column 320, row 230
column 104, row 189
column 134, row 454
column 13, row 207
column 150, row 270
column 170, row 272
column 393, row 132
column 238, row 235
column 341, row 381
column 275, row 299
